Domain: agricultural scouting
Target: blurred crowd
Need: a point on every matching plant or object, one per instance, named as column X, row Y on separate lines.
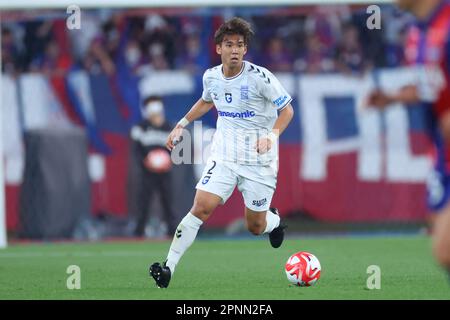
column 321, row 39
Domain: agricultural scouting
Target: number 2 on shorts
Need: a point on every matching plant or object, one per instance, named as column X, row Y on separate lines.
column 210, row 169
column 208, row 174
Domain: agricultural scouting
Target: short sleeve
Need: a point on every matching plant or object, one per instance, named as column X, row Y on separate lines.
column 206, row 96
column 273, row 91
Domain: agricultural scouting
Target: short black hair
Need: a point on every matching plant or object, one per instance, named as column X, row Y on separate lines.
column 151, row 98
column 234, row 26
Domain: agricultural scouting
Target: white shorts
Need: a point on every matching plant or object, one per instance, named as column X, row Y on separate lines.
column 256, row 183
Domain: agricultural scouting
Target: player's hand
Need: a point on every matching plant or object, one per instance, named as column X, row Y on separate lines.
column 174, row 137
column 378, row 99
column 263, row 145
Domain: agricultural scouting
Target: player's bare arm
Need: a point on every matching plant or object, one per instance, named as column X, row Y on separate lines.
column 198, row 109
column 407, row 95
column 444, row 125
column 283, row 120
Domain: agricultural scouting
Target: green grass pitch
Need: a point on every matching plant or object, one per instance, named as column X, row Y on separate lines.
column 225, row 269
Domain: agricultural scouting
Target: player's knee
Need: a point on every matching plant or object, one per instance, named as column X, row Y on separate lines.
column 201, row 210
column 441, row 250
column 255, row 227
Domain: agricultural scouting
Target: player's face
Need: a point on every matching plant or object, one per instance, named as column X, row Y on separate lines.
column 232, row 50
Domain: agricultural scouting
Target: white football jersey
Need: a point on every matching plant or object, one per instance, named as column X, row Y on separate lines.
column 247, row 106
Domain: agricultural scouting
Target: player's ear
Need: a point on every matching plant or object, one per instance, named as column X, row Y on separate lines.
column 218, row 49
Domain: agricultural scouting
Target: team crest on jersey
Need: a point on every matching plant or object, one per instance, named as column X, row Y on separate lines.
column 228, row 97
column 244, row 92
column 215, row 96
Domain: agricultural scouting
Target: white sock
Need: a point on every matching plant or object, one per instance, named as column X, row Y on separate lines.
column 183, row 238
column 273, row 221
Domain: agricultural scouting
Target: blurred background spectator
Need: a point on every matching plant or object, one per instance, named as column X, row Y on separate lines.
column 150, row 168
column 319, row 39
column 315, row 57
column 350, row 58
column 11, row 56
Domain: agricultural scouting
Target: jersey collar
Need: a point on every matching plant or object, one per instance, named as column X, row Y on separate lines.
column 234, row 77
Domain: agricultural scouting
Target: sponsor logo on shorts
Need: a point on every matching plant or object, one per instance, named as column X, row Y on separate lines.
column 259, row 203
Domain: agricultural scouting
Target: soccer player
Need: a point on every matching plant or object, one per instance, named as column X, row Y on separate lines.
column 253, row 110
column 428, row 48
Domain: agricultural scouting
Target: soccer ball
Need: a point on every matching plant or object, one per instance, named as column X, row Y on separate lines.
column 303, row 269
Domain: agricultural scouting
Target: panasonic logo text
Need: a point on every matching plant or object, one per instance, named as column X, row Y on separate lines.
column 245, row 114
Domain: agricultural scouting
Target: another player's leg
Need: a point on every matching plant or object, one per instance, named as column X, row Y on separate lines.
column 438, row 187
column 268, row 221
column 441, row 237
column 185, row 234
